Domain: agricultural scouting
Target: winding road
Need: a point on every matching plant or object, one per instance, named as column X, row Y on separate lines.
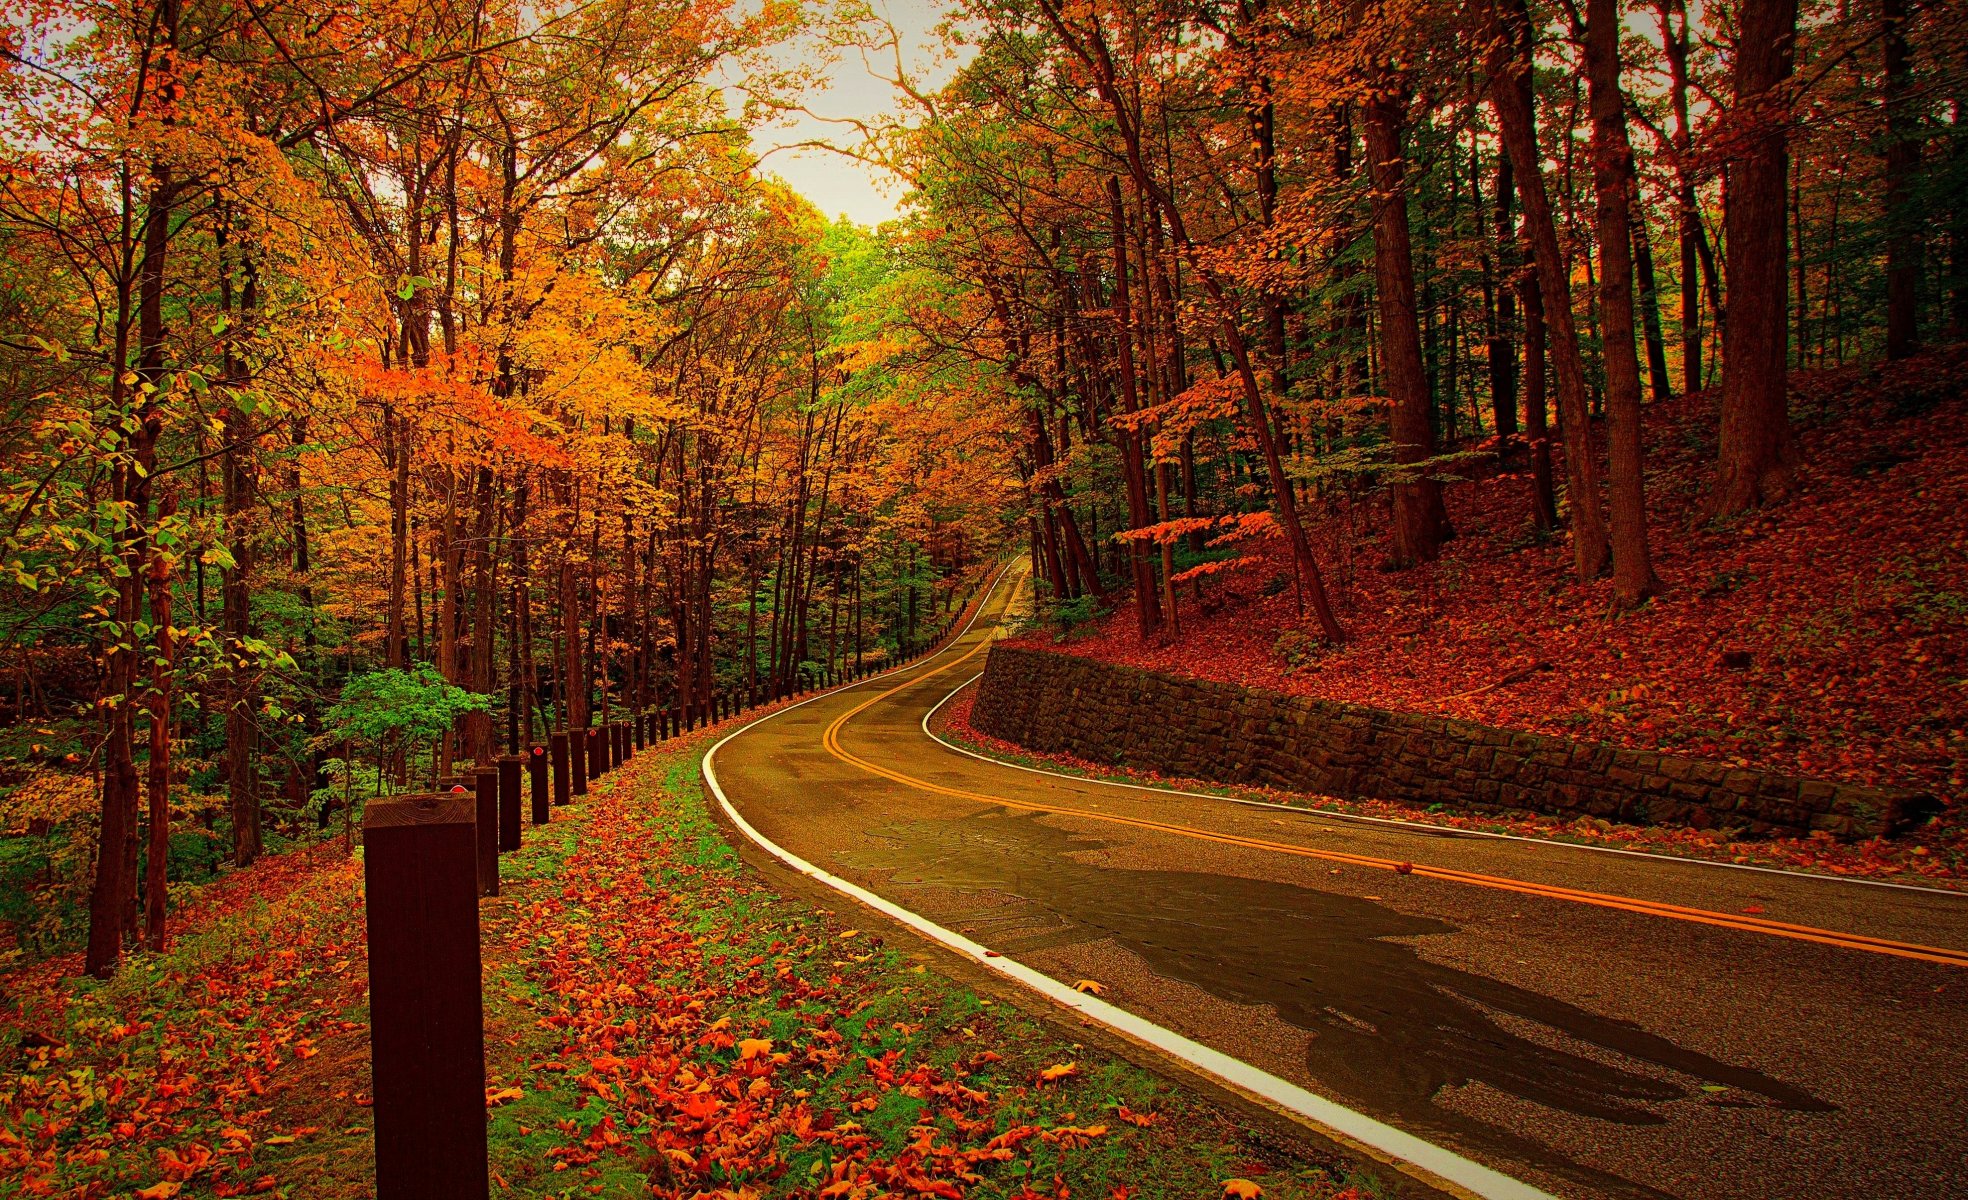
column 1511, row 1017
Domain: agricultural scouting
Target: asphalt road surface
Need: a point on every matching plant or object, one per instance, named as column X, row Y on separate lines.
column 1486, row 1002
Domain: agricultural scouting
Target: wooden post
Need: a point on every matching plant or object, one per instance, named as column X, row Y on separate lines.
column 536, row 776
column 624, row 744
column 563, row 784
column 426, row 1020
column 577, row 760
column 639, row 717
column 508, row 768
column 487, row 779
column 597, row 758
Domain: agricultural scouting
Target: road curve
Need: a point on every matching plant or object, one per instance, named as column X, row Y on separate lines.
column 1587, row 1024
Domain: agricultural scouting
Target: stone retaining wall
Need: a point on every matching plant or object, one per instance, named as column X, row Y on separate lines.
column 1063, row 703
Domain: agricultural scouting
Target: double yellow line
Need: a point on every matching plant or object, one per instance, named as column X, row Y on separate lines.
column 1654, row 908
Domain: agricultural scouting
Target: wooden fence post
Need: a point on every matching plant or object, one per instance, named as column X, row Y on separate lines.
column 508, row 768
column 563, row 784
column 487, row 779
column 577, row 760
column 597, row 758
column 638, row 729
column 426, row 1016
column 536, row 775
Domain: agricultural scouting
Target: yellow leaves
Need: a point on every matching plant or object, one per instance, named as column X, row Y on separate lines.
column 1241, row 1189
column 1089, row 986
column 1059, row 1071
column 494, row 1097
column 160, row 1191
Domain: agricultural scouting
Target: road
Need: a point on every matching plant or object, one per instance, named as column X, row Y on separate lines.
column 1481, row 1002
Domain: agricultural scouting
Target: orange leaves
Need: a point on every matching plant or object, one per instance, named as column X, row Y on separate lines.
column 1245, row 526
column 1241, row 1189
column 1166, row 532
column 751, row 1048
column 1058, row 1071
column 1071, row 1136
column 1089, row 986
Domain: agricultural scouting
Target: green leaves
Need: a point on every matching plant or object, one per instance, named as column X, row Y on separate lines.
column 416, row 704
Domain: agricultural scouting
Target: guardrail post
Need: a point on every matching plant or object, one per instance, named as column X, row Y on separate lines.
column 637, row 719
column 577, row 760
column 426, row 1015
column 597, row 758
column 536, row 777
column 487, row 780
column 508, row 768
column 563, row 783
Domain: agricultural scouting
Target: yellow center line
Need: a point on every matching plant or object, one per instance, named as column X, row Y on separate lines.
column 1699, row 916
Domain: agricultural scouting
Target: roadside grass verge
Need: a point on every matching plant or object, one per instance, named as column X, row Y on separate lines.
column 659, row 1022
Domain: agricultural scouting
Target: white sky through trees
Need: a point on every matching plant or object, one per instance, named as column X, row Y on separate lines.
column 857, row 86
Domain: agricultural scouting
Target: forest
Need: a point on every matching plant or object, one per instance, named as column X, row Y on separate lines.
column 390, row 385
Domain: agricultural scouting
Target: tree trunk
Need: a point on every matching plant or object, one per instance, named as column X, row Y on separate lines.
column 1660, row 384
column 1674, row 39
column 1419, row 520
column 162, row 669
column 1903, row 212
column 1544, row 500
column 1757, row 450
column 1503, row 367
column 1613, row 188
column 1147, row 607
column 1508, row 66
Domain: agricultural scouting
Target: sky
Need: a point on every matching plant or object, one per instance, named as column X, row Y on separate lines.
column 837, row 184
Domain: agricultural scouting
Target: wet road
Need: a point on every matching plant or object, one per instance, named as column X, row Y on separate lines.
column 1584, row 1049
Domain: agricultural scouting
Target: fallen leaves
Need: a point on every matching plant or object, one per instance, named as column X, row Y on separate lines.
column 1241, row 1189
column 1058, row 1071
column 172, row 1078
column 494, row 1097
column 1089, row 986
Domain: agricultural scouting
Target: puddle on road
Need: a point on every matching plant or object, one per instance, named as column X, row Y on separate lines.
column 1390, row 1030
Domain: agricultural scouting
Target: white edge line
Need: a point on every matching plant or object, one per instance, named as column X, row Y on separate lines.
column 1398, row 823
column 1445, row 1164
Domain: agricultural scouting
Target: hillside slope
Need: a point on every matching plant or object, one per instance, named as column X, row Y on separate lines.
column 1825, row 637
